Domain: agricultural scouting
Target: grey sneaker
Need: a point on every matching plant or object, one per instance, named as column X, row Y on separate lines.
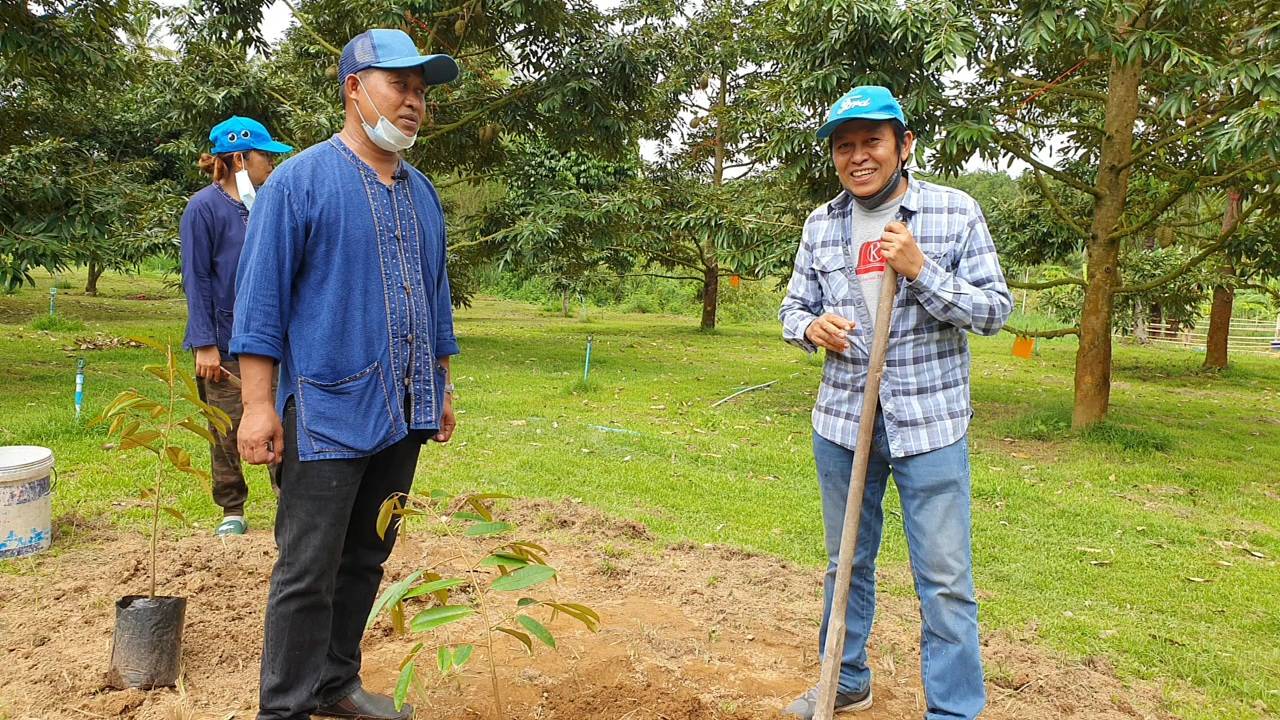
column 806, row 706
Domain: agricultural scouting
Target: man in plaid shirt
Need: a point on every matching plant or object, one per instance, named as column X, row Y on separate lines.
column 950, row 282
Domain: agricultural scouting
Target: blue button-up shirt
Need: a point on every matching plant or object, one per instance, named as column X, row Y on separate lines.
column 212, row 232
column 343, row 281
column 924, row 392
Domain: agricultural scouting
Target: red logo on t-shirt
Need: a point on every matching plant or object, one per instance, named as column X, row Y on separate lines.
column 869, row 258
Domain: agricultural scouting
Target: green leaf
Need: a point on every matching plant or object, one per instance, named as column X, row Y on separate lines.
column 199, row 429
column 527, row 576
column 522, row 637
column 433, row 587
column 432, row 618
column 444, row 659
column 484, row 529
column 537, row 629
column 391, row 596
column 526, row 602
column 468, row 516
column 461, row 654
column 402, row 685
column 175, row 514
column 503, row 560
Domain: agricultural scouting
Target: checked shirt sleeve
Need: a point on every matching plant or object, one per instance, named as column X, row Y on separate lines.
column 803, row 301
column 975, row 297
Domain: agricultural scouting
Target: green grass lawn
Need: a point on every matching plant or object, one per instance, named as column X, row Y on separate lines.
column 1135, row 541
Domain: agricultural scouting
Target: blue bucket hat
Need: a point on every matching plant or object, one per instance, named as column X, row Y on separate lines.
column 868, row 102
column 242, row 134
column 392, row 49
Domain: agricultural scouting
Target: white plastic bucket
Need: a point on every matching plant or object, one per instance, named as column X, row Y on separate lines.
column 26, row 513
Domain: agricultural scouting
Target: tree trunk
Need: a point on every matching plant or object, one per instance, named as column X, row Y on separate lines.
column 710, row 263
column 1093, row 359
column 710, row 295
column 564, row 303
column 1224, row 296
column 95, row 272
column 1140, row 322
column 1215, row 347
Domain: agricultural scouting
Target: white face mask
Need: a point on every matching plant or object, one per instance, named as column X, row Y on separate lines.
column 245, row 187
column 386, row 135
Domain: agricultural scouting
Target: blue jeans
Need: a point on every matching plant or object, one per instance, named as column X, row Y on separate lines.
column 934, row 489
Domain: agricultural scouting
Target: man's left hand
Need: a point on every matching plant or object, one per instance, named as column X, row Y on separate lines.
column 898, row 248
column 447, row 421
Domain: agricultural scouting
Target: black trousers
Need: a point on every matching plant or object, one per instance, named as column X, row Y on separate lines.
column 327, row 574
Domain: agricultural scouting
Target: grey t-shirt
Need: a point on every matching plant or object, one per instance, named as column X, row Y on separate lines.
column 866, row 227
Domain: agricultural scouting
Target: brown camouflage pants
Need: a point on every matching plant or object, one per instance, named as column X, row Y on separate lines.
column 229, row 488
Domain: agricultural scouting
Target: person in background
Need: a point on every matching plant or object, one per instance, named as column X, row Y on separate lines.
column 212, row 231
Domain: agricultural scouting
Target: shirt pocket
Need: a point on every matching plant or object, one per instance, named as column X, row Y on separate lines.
column 941, row 253
column 348, row 415
column 833, row 277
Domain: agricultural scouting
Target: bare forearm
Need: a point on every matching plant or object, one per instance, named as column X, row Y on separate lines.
column 255, row 376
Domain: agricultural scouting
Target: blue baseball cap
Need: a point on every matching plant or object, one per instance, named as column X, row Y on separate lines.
column 868, row 102
column 242, row 134
column 389, row 50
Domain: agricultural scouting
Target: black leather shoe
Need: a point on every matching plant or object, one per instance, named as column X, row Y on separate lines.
column 364, row 705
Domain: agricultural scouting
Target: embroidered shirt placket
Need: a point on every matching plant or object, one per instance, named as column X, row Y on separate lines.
column 427, row 308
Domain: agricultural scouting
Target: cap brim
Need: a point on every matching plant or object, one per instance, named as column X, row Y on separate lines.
column 436, row 69
column 274, row 147
column 825, row 131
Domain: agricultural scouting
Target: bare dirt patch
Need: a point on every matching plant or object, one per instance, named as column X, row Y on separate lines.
column 690, row 633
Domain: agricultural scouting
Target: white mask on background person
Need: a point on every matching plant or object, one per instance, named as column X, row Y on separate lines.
column 386, row 135
column 244, row 186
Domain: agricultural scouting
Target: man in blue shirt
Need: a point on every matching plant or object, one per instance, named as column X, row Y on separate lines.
column 343, row 282
column 212, row 231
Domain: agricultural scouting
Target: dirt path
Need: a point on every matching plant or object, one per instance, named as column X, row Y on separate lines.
column 691, row 633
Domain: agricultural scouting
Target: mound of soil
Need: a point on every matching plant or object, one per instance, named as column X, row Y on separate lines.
column 690, row 632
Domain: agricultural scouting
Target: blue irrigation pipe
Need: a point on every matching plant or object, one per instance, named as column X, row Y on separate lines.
column 53, row 296
column 586, row 368
column 79, row 385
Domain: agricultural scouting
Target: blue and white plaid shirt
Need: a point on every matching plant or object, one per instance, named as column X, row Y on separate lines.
column 924, row 394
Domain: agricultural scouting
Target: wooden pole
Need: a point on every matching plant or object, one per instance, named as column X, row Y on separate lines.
column 828, row 684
